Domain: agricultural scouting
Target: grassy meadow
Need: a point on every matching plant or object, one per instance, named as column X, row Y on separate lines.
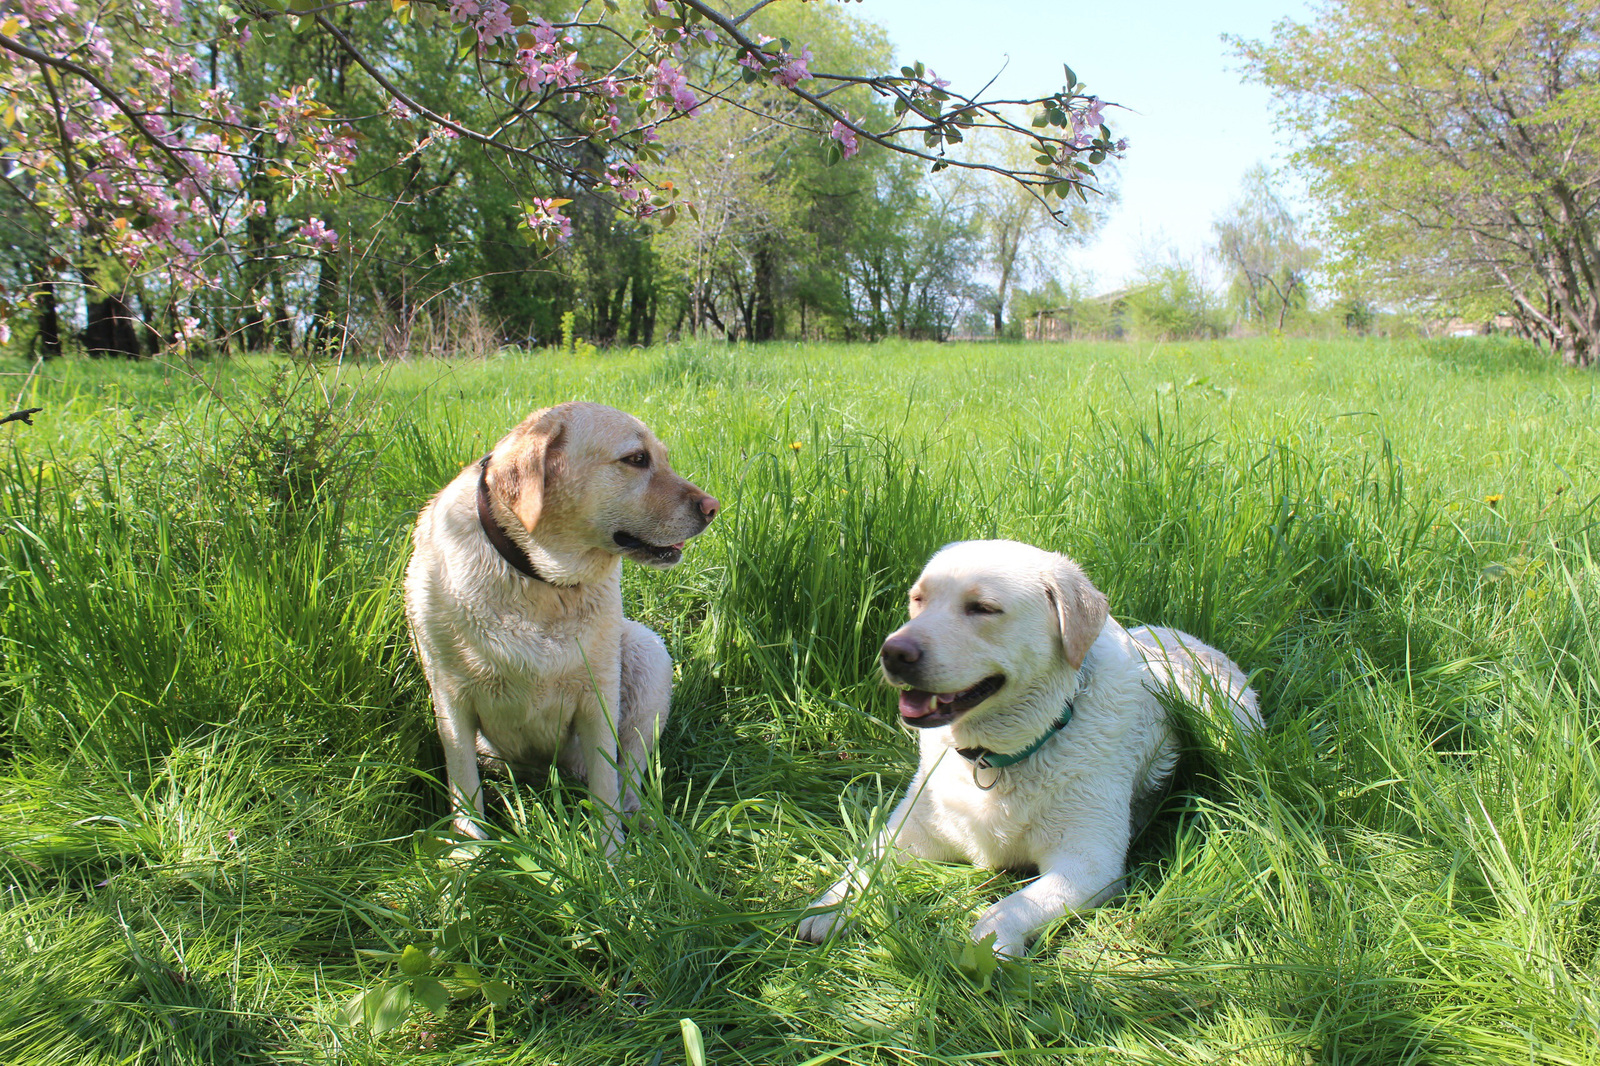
column 219, row 788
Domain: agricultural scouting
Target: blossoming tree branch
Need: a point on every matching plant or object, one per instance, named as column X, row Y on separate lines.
column 135, row 141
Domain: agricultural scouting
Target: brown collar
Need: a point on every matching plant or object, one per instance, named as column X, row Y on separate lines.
column 509, row 550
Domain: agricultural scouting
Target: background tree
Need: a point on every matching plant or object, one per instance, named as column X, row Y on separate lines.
column 1022, row 239
column 1262, row 244
column 1456, row 149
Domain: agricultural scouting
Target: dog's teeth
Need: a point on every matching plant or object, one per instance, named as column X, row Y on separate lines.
column 933, row 701
column 948, row 697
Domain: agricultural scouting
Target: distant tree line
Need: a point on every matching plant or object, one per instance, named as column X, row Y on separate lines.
column 420, row 242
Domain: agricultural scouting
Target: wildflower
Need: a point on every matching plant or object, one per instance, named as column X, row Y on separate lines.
column 795, row 446
column 1494, row 500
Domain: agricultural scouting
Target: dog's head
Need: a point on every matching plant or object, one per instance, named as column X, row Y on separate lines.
column 988, row 617
column 585, row 477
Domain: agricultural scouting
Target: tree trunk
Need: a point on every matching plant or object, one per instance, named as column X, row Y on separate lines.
column 44, row 308
column 111, row 329
column 765, row 326
column 325, row 334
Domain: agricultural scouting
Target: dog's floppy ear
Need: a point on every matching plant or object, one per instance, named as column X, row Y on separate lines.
column 1080, row 608
column 525, row 464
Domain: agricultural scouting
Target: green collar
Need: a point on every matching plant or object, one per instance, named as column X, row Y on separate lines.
column 984, row 759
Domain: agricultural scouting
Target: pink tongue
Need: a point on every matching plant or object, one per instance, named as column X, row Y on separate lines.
column 915, row 703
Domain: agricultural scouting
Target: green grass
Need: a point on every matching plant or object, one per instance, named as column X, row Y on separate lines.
column 218, row 784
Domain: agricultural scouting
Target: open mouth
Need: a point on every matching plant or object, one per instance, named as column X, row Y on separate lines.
column 645, row 552
column 925, row 710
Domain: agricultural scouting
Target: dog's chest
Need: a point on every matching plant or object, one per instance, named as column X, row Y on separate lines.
column 997, row 828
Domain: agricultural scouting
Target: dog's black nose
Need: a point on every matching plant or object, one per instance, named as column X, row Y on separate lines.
column 899, row 650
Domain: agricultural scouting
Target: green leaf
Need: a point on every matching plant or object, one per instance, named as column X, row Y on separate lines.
column 1097, row 157
column 414, row 960
column 498, row 993
column 431, row 993
column 379, row 1008
column 1041, row 119
column 832, row 154
column 468, row 975
column 908, row 72
column 694, row 1046
column 1072, row 79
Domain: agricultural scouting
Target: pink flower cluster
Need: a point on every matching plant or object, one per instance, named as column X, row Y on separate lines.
column 548, row 62
column 784, row 69
column 845, row 136
column 1086, row 123
column 545, row 221
column 672, row 87
column 324, row 148
column 491, row 18
column 317, row 234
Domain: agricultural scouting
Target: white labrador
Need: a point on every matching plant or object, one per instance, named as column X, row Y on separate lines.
column 1043, row 742
column 514, row 595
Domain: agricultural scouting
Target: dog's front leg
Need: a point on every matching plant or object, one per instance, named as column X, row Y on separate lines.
column 457, row 721
column 1068, row 883
column 906, row 830
column 597, row 738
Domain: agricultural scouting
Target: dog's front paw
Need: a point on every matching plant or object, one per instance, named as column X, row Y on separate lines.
column 1009, row 928
column 820, row 926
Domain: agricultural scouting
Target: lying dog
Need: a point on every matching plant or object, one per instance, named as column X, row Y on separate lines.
column 514, row 596
column 1043, row 742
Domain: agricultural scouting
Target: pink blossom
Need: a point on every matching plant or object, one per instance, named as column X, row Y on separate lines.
column 846, row 138
column 315, row 232
column 494, row 21
column 792, row 71
column 544, row 218
column 670, row 83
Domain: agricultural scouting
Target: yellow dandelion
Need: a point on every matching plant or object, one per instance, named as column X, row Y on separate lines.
column 1494, row 500
column 795, row 446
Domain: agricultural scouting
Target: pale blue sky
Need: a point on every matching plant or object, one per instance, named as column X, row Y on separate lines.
column 1193, row 129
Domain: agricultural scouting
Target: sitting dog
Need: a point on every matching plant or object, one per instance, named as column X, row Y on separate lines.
column 514, row 596
column 1043, row 741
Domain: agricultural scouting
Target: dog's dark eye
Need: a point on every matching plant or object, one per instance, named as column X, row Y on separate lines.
column 983, row 608
column 638, row 459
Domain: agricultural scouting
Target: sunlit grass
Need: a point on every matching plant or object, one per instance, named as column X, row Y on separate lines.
column 218, row 753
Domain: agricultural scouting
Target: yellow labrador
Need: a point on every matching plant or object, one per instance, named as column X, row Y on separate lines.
column 514, row 596
column 1043, row 743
